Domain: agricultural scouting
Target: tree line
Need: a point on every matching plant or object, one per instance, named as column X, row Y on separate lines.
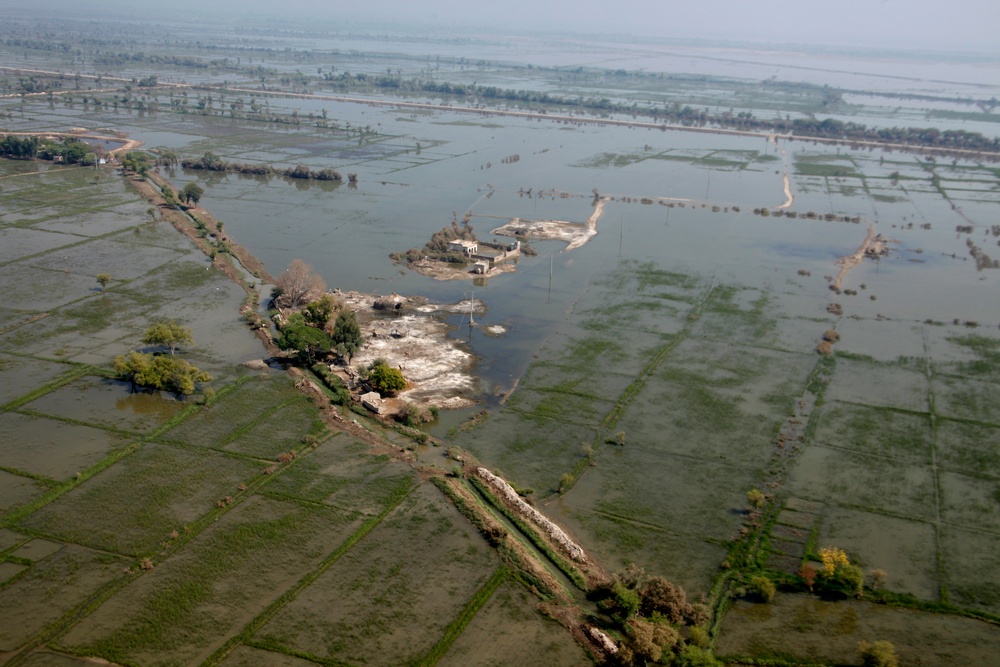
column 828, row 128
column 211, row 162
column 70, row 150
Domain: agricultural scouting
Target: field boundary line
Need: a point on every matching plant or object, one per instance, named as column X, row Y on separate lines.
column 46, row 388
column 244, row 635
column 457, row 627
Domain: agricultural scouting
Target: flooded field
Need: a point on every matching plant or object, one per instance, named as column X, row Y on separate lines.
column 634, row 388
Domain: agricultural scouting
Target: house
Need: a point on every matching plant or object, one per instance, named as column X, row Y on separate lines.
column 468, row 248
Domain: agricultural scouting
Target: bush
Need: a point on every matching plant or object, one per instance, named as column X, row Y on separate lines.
column 625, row 600
column 877, row 578
column 762, row 588
column 838, row 576
column 878, row 654
column 159, row 372
column 565, row 482
column 385, row 380
column 413, row 415
column 756, row 498
column 692, row 656
column 341, row 395
column 660, row 596
column 699, row 637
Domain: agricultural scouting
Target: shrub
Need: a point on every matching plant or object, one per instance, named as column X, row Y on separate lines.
column 159, row 372
column 385, row 380
column 625, row 600
column 698, row 636
column 838, row 575
column 660, row 596
column 692, row 656
column 413, row 415
column 808, row 574
column 762, row 588
column 341, row 395
column 755, row 497
column 878, row 654
column 565, row 482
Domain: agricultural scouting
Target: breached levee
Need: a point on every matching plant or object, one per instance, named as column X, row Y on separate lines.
column 602, row 639
column 573, row 233
column 557, row 534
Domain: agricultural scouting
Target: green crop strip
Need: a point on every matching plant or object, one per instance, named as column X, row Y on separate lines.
column 257, row 623
column 532, row 534
column 457, row 627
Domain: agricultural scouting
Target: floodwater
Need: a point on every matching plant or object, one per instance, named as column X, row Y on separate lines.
column 419, row 171
column 679, row 203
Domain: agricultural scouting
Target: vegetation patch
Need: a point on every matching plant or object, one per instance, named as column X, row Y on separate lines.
column 393, row 608
column 212, row 425
column 133, row 504
column 168, row 610
column 52, row 587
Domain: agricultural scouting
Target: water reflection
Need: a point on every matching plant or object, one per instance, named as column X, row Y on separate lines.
column 142, row 402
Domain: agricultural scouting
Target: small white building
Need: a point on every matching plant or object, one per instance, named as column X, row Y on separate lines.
column 465, row 247
column 373, row 401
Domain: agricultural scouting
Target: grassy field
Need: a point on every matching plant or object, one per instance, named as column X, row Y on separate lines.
column 672, row 413
column 147, row 529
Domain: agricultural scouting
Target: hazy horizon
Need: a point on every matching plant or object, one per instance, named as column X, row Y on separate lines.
column 962, row 26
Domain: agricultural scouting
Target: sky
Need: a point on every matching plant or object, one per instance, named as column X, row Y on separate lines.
column 910, row 24
column 898, row 23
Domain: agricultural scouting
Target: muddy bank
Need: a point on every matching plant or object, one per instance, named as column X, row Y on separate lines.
column 413, row 338
column 439, row 270
column 873, row 246
column 573, row 233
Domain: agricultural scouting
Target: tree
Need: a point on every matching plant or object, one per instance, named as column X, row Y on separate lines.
column 298, row 283
column 169, row 334
column 839, row 576
column 168, row 196
column 306, row 340
column 134, row 161
column 385, row 380
column 346, row 334
column 663, row 597
column 159, row 372
column 191, row 192
column 319, row 312
column 647, row 640
column 15, row 147
column 103, row 279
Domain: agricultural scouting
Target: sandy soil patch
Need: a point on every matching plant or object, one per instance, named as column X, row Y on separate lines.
column 789, row 197
column 873, row 246
column 449, row 271
column 573, row 233
column 413, row 339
